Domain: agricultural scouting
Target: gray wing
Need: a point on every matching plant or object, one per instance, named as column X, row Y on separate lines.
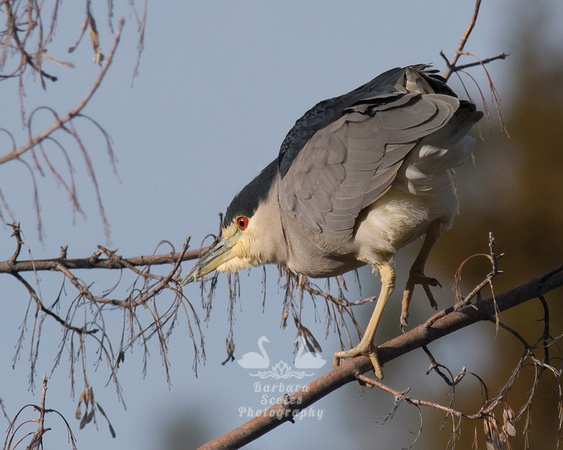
column 350, row 163
column 382, row 87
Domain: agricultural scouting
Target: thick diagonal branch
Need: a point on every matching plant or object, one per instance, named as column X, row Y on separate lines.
column 416, row 338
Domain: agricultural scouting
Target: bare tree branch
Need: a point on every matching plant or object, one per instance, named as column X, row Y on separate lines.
column 13, row 439
column 462, row 42
column 452, row 65
column 60, row 122
column 96, row 261
column 349, row 370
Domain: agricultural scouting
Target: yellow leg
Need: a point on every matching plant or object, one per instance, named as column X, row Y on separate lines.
column 417, row 276
column 366, row 346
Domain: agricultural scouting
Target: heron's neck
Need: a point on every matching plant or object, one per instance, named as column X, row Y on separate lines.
column 270, row 246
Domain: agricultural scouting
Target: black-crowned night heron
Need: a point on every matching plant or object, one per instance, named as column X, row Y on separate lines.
column 358, row 177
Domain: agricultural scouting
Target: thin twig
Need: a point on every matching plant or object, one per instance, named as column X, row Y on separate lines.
column 60, row 122
column 481, row 62
column 459, row 51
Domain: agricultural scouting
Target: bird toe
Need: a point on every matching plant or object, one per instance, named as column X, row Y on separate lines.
column 361, row 350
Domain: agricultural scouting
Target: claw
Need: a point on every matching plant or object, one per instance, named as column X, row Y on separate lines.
column 417, row 273
column 415, row 278
column 361, row 350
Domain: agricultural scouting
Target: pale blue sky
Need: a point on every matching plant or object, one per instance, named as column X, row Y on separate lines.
column 220, row 84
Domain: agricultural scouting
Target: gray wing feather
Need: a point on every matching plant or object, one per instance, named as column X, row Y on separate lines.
column 351, row 162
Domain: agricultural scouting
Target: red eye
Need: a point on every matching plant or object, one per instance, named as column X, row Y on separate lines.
column 242, row 223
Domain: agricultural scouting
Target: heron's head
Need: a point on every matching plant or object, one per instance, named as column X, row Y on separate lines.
column 250, row 230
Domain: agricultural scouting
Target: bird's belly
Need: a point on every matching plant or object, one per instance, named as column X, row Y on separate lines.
column 398, row 218
column 393, row 221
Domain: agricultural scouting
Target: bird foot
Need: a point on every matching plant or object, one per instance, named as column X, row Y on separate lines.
column 361, row 350
column 417, row 277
